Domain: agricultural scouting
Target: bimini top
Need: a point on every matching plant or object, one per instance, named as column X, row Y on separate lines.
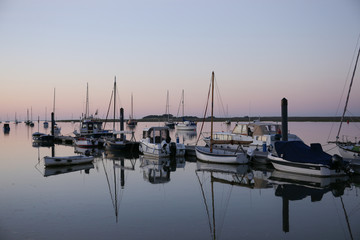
column 297, row 151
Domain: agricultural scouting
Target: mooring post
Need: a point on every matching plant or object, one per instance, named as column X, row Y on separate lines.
column 284, row 119
column 122, row 122
column 52, row 124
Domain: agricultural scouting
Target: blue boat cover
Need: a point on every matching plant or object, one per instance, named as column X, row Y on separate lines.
column 297, row 151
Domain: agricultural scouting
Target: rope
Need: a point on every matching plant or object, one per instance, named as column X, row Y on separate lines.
column 207, row 104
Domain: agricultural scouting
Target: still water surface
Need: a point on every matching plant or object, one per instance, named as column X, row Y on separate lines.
column 121, row 198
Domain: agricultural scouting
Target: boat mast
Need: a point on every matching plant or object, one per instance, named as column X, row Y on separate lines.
column 212, row 109
column 114, row 103
column 87, row 101
column 182, row 102
column 131, row 117
column 348, row 95
column 54, row 103
column 167, row 105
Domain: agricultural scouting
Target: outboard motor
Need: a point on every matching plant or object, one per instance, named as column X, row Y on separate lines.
column 172, row 149
column 337, row 162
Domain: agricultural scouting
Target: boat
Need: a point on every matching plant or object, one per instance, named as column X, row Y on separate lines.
column 90, row 125
column 86, row 142
column 42, row 137
column 156, row 142
column 297, row 157
column 131, row 122
column 67, row 160
column 6, row 128
column 349, row 149
column 122, row 144
column 185, row 125
column 209, row 154
column 168, row 123
column 256, row 138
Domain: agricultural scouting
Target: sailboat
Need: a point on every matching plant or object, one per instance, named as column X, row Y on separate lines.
column 131, row 122
column 209, row 154
column 185, row 125
column 349, row 149
column 121, row 143
column 169, row 123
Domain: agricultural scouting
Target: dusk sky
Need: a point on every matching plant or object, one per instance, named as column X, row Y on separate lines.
column 261, row 51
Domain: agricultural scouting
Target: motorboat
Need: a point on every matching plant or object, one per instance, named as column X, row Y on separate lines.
column 297, row 157
column 186, row 125
column 86, row 142
column 122, row 144
column 257, row 138
column 67, row 160
column 156, row 142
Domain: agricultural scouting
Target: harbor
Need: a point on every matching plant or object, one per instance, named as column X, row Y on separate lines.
column 115, row 195
column 179, row 120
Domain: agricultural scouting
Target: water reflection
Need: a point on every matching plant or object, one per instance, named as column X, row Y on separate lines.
column 114, row 169
column 51, row 171
column 158, row 171
column 221, row 174
column 295, row 187
column 186, row 136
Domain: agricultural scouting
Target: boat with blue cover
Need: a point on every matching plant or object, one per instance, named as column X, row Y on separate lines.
column 297, row 157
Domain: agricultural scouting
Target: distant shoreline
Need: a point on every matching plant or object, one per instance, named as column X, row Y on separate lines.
column 241, row 119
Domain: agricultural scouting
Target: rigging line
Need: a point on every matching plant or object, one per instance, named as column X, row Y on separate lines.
column 107, row 179
column 346, row 217
column 181, row 100
column 202, row 125
column 107, row 114
column 220, row 99
column 346, row 80
column 206, row 206
column 348, row 95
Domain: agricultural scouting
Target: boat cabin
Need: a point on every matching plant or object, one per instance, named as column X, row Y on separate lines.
column 157, row 134
column 257, row 129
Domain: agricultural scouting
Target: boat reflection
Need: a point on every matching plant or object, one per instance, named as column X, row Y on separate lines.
column 294, row 187
column 96, row 152
column 114, row 168
column 224, row 175
column 185, row 136
column 157, row 170
column 51, row 171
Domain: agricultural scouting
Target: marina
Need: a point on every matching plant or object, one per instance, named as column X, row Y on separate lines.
column 111, row 128
column 116, row 195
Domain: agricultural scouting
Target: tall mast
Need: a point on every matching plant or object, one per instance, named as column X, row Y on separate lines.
column 132, row 114
column 212, row 109
column 87, row 101
column 54, row 102
column 348, row 95
column 167, row 104
column 182, row 102
column 114, row 102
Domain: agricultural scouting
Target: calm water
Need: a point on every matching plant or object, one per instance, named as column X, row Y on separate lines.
column 118, row 198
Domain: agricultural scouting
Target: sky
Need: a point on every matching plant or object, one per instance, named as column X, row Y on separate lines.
column 260, row 50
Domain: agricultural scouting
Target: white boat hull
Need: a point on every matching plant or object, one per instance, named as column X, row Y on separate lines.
column 67, row 160
column 157, row 151
column 304, row 168
column 220, row 156
column 185, row 126
column 86, row 142
column 347, row 153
